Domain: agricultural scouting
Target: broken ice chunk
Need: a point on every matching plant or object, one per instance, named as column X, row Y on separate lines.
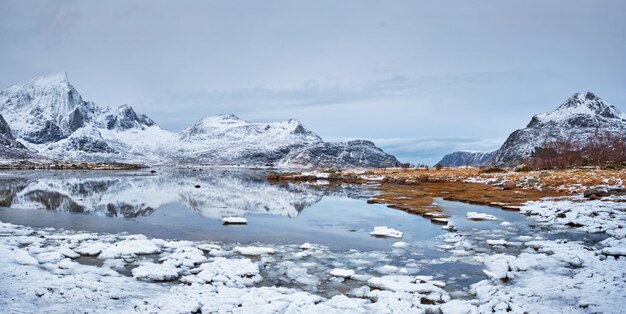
column 234, row 221
column 480, row 216
column 345, row 273
column 382, row 231
column 400, row 245
column 253, row 251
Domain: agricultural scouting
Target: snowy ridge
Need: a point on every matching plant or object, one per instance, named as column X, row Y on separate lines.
column 52, row 119
column 10, row 148
column 466, row 158
column 578, row 119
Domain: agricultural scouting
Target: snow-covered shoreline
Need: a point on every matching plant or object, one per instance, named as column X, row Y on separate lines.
column 42, row 271
column 557, row 275
column 47, row 269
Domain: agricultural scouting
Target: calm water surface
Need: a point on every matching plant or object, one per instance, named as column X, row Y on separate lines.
column 167, row 204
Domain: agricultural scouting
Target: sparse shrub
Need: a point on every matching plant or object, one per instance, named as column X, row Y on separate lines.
column 524, row 168
column 492, row 170
column 603, row 150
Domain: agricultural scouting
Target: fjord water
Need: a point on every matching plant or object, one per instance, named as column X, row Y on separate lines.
column 168, row 205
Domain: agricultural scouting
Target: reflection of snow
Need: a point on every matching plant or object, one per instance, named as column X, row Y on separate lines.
column 222, row 194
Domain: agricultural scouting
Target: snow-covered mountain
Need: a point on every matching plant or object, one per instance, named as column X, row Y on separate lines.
column 578, row 119
column 226, row 139
column 467, row 158
column 10, row 148
column 359, row 154
column 52, row 119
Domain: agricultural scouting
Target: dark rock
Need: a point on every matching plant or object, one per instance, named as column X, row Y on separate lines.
column 508, row 185
column 595, row 191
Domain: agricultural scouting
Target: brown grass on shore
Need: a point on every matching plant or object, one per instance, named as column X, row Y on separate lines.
column 574, row 180
column 418, row 198
column 414, row 190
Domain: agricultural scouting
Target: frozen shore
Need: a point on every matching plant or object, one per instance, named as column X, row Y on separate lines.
column 47, row 270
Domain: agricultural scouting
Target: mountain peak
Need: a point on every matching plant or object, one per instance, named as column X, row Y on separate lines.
column 51, row 80
column 580, row 99
column 57, row 82
column 579, row 104
column 580, row 118
column 228, row 116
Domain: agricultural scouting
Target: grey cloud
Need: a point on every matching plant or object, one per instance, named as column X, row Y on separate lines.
column 422, row 71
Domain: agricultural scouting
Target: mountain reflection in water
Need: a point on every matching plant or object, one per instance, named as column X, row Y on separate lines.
column 221, row 193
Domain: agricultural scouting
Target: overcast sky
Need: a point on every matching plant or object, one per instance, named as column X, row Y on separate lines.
column 419, row 78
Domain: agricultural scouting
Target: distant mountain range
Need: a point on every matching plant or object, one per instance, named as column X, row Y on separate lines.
column 465, row 158
column 578, row 119
column 47, row 116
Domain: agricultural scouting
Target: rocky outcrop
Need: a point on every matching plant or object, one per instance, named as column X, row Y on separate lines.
column 352, row 154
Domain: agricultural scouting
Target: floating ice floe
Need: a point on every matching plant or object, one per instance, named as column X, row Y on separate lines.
column 390, row 269
column 382, row 231
column 345, row 273
column 497, row 242
column 253, row 250
column 505, row 224
column 449, row 227
column 480, row 216
column 234, row 221
column 400, row 245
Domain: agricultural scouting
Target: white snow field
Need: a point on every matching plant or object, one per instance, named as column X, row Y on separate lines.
column 58, row 271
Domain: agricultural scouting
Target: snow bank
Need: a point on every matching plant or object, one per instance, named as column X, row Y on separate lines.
column 155, row 272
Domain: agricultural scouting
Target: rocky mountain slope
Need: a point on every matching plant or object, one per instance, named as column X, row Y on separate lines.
column 226, row 139
column 578, row 119
column 10, row 148
column 359, row 154
column 466, row 158
column 50, row 116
